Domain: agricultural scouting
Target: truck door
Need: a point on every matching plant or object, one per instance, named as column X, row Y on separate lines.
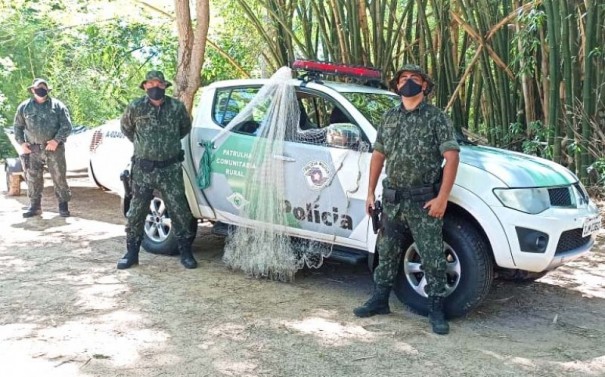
column 325, row 166
column 222, row 199
column 327, row 163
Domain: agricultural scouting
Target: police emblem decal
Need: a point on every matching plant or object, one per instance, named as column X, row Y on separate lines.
column 317, row 174
column 237, row 200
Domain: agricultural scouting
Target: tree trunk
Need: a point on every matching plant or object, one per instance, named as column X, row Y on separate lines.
column 192, row 46
column 588, row 92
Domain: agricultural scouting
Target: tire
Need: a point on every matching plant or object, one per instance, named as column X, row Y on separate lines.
column 158, row 237
column 519, row 276
column 469, row 268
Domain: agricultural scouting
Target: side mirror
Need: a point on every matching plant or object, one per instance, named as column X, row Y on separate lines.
column 343, row 135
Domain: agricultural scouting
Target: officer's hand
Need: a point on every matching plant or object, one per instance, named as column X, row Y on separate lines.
column 25, row 148
column 52, row 145
column 436, row 207
column 370, row 204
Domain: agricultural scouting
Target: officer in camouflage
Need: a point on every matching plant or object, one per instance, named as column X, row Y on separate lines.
column 42, row 125
column 414, row 139
column 155, row 124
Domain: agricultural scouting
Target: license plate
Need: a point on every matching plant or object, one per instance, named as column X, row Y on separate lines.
column 591, row 225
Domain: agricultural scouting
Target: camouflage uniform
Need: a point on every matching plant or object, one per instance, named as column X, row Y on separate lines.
column 156, row 133
column 36, row 124
column 413, row 143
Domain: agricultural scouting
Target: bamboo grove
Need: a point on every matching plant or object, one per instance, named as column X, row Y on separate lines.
column 520, row 75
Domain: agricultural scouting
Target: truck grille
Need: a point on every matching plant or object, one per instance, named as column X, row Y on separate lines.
column 560, row 197
column 570, row 240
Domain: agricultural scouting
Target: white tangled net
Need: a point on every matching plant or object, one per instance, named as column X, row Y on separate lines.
column 264, row 249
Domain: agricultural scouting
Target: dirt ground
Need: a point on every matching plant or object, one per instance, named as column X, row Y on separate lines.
column 66, row 311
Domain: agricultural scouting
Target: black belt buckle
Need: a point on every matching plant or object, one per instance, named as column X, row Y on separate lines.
column 147, row 166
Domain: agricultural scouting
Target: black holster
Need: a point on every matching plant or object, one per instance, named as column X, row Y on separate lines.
column 25, row 161
column 376, row 216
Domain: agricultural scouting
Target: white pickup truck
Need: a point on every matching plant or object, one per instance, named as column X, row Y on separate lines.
column 509, row 213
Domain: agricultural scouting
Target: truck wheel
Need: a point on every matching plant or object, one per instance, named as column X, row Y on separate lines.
column 158, row 236
column 469, row 271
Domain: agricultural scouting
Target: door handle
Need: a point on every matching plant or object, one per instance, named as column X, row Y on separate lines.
column 283, row 158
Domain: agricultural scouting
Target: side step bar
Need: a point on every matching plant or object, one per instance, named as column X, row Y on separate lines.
column 339, row 253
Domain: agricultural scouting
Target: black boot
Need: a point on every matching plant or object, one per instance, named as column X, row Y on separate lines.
column 187, row 258
column 34, row 209
column 437, row 316
column 377, row 304
column 132, row 254
column 64, row 209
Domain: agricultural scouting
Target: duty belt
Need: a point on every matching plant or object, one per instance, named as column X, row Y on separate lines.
column 415, row 194
column 37, row 148
column 148, row 166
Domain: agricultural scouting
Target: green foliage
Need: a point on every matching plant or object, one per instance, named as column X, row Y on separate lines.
column 104, row 65
column 94, row 68
column 234, row 42
column 537, row 143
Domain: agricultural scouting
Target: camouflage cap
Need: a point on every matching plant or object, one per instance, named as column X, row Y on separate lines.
column 155, row 75
column 37, row 82
column 416, row 69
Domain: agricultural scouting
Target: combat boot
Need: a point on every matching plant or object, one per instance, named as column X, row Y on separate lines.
column 132, row 254
column 377, row 304
column 34, row 209
column 437, row 316
column 187, row 258
column 64, row 209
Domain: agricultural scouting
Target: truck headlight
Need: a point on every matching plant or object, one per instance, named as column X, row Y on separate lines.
column 528, row 200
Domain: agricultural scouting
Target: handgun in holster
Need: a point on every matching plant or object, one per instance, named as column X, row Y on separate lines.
column 126, row 181
column 376, row 216
column 25, row 161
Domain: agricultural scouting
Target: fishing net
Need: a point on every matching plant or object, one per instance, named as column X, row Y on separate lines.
column 264, row 247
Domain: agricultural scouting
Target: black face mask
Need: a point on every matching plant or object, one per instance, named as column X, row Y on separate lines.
column 41, row 92
column 156, row 93
column 410, row 89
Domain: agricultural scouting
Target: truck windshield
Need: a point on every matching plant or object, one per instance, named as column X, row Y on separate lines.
column 372, row 105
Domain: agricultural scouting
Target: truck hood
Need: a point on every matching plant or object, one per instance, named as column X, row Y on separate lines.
column 516, row 169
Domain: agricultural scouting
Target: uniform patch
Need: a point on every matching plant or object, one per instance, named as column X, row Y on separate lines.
column 237, row 200
column 317, row 174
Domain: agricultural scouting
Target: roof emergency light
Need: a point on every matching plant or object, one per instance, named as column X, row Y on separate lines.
column 314, row 68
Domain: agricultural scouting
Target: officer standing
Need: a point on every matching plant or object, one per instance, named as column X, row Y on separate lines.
column 42, row 125
column 155, row 124
column 414, row 139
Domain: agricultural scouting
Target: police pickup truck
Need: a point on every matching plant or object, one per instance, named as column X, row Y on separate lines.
column 509, row 213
